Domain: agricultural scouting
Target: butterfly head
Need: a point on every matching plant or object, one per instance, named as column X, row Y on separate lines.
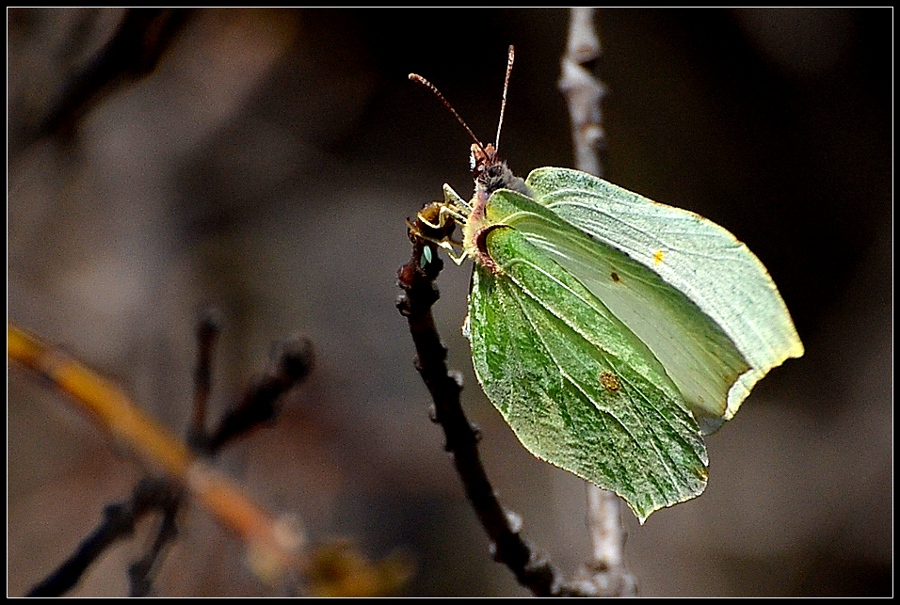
column 491, row 173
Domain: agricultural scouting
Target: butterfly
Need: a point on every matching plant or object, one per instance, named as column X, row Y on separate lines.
column 610, row 331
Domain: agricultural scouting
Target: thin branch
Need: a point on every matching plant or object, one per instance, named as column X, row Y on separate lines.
column 142, row 572
column 292, row 360
column 606, row 574
column 583, row 91
column 118, row 523
column 207, row 335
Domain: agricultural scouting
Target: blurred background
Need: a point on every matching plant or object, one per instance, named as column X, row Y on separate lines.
column 267, row 166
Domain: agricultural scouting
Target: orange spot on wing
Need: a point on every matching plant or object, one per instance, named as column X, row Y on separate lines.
column 610, row 381
column 658, row 256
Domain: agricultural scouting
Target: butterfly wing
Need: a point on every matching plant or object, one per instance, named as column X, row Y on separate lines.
column 577, row 386
column 697, row 355
column 700, row 260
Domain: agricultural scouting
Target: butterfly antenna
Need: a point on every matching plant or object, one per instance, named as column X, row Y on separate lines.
column 509, row 64
column 437, row 93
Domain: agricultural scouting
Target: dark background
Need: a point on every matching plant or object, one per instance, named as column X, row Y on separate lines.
column 268, row 166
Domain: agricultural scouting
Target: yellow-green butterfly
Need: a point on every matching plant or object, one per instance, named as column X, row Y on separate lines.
column 611, row 331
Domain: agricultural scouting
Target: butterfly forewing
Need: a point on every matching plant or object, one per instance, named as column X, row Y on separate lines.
column 700, row 260
column 701, row 360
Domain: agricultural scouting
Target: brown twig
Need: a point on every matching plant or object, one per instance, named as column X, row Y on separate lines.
column 118, row 523
column 291, row 362
column 416, row 278
column 207, row 335
column 142, row 572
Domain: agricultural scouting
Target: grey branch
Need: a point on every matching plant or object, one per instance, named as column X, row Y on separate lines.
column 606, row 574
column 583, row 91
